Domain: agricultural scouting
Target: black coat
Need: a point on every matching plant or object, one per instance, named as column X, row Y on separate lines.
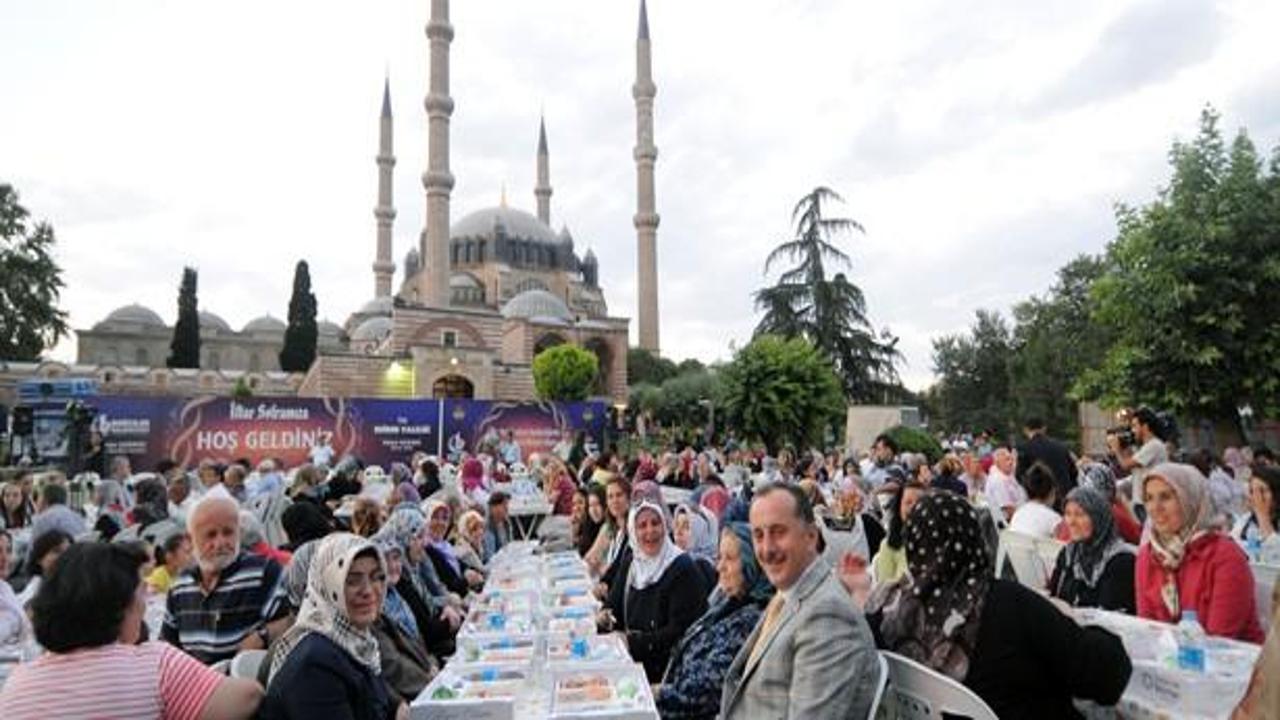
column 1115, row 589
column 406, row 666
column 656, row 617
column 1042, row 448
column 320, row 681
column 452, row 579
column 436, row 633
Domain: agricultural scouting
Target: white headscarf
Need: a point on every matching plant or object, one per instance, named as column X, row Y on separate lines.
column 324, row 608
column 704, row 531
column 648, row 569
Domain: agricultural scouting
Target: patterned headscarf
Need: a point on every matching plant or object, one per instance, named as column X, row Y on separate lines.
column 295, row 573
column 759, row 589
column 934, row 613
column 472, row 475
column 324, row 608
column 1192, row 491
column 716, row 499
column 704, row 531
column 1099, row 477
column 1088, row 558
column 405, row 523
column 394, row 606
column 441, row 544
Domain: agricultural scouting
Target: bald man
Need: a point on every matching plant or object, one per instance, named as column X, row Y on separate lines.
column 230, row 600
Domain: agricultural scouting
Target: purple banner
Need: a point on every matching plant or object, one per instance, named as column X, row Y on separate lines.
column 536, row 427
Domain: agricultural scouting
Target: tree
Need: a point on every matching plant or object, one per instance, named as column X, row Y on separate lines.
column 30, row 283
column 300, row 335
column 972, row 392
column 644, row 366
column 1054, row 342
column 1190, row 287
column 782, row 392
column 184, row 350
column 830, row 313
column 564, row 372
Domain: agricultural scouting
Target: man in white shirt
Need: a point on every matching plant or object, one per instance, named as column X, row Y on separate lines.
column 1003, row 489
column 322, row 452
column 1151, row 450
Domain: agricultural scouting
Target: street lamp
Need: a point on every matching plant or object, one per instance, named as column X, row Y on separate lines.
column 710, row 405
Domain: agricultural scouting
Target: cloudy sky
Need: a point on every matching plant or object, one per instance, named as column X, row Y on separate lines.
column 982, row 144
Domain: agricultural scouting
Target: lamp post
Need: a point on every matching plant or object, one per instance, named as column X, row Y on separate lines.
column 710, row 405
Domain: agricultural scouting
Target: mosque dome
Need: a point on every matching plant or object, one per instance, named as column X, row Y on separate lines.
column 210, row 321
column 264, row 324
column 537, row 304
column 326, row 328
column 134, row 314
column 374, row 330
column 516, row 224
column 377, row 306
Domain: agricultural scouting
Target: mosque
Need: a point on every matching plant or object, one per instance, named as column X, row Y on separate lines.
column 477, row 300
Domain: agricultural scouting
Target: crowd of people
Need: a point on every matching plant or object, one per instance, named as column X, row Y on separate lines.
column 765, row 590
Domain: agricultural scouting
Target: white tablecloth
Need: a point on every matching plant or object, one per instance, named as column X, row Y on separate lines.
column 1159, row 690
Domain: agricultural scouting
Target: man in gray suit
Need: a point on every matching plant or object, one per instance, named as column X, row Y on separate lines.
column 812, row 654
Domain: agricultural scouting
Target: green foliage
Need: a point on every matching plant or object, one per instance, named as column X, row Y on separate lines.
column 915, row 440
column 241, row 389
column 646, row 367
column 184, row 349
column 564, row 372
column 1191, row 287
column 830, row 313
column 973, row 369
column 782, row 392
column 300, row 336
column 679, row 401
column 30, row 283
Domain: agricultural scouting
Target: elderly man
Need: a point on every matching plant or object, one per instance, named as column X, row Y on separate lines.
column 812, row 654
column 230, row 600
column 1003, row 489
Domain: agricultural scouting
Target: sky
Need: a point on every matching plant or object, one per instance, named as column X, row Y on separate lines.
column 982, row 145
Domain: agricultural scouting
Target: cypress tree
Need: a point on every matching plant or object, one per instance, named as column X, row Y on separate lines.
column 299, row 349
column 184, row 350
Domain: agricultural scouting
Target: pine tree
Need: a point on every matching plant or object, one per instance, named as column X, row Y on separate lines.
column 30, row 282
column 184, row 350
column 299, row 349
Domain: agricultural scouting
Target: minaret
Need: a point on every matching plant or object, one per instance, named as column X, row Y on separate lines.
column 542, row 191
column 385, row 212
column 433, row 279
column 646, row 218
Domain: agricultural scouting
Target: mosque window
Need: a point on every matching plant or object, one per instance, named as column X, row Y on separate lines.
column 449, row 338
column 467, row 252
column 141, row 357
column 480, row 252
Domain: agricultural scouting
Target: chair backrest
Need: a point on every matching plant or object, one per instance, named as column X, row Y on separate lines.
column 246, row 663
column 1264, row 583
column 1032, row 558
column 919, row 693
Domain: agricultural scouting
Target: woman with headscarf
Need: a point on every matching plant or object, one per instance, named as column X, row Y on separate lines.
column 437, row 619
column 469, row 544
column 1185, row 564
column 559, row 487
column 661, row 593
column 694, row 677
column 716, row 499
column 328, row 665
column 406, row 665
column 1006, row 642
column 890, row 562
column 1100, row 477
column 695, row 531
column 1096, row 568
column 471, row 480
column 303, row 522
column 458, row 579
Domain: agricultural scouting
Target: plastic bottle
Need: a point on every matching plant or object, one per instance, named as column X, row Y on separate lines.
column 1191, row 643
column 1253, row 543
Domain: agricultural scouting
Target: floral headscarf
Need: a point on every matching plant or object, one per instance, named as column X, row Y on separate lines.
column 1192, row 491
column 1088, row 558
column 934, row 613
column 324, row 608
column 716, row 499
column 442, row 544
column 1099, row 477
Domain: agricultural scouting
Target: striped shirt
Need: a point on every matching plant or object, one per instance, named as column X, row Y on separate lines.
column 210, row 626
column 133, row 682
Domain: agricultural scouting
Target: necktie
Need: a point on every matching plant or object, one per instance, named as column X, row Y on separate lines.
column 771, row 616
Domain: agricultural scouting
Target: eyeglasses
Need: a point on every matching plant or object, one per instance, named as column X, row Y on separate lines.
column 359, row 582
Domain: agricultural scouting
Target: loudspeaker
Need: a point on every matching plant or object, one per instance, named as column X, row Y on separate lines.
column 24, row 421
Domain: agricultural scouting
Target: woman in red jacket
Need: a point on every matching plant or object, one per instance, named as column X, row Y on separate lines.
column 1187, row 565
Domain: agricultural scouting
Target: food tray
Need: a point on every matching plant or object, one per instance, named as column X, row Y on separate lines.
column 473, row 692
column 499, row 648
column 590, row 649
column 573, row 619
column 618, row 693
column 481, row 622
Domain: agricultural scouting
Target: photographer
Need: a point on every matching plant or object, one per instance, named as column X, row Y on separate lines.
column 1148, row 435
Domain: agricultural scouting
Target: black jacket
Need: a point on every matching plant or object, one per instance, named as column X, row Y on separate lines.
column 656, row 617
column 1042, row 448
column 406, row 666
column 436, row 633
column 320, row 681
column 1115, row 590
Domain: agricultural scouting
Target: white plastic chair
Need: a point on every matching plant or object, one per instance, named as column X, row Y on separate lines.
column 919, row 693
column 1032, row 558
column 221, row 667
column 246, row 663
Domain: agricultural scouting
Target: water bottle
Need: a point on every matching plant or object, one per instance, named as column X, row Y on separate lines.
column 1253, row 543
column 1191, row 643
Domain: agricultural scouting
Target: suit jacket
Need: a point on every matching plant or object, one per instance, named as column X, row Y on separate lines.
column 819, row 662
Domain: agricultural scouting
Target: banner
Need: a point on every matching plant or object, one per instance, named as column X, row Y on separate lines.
column 535, row 427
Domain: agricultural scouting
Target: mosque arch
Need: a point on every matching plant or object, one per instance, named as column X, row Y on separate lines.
column 604, row 364
column 547, row 341
column 453, row 386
